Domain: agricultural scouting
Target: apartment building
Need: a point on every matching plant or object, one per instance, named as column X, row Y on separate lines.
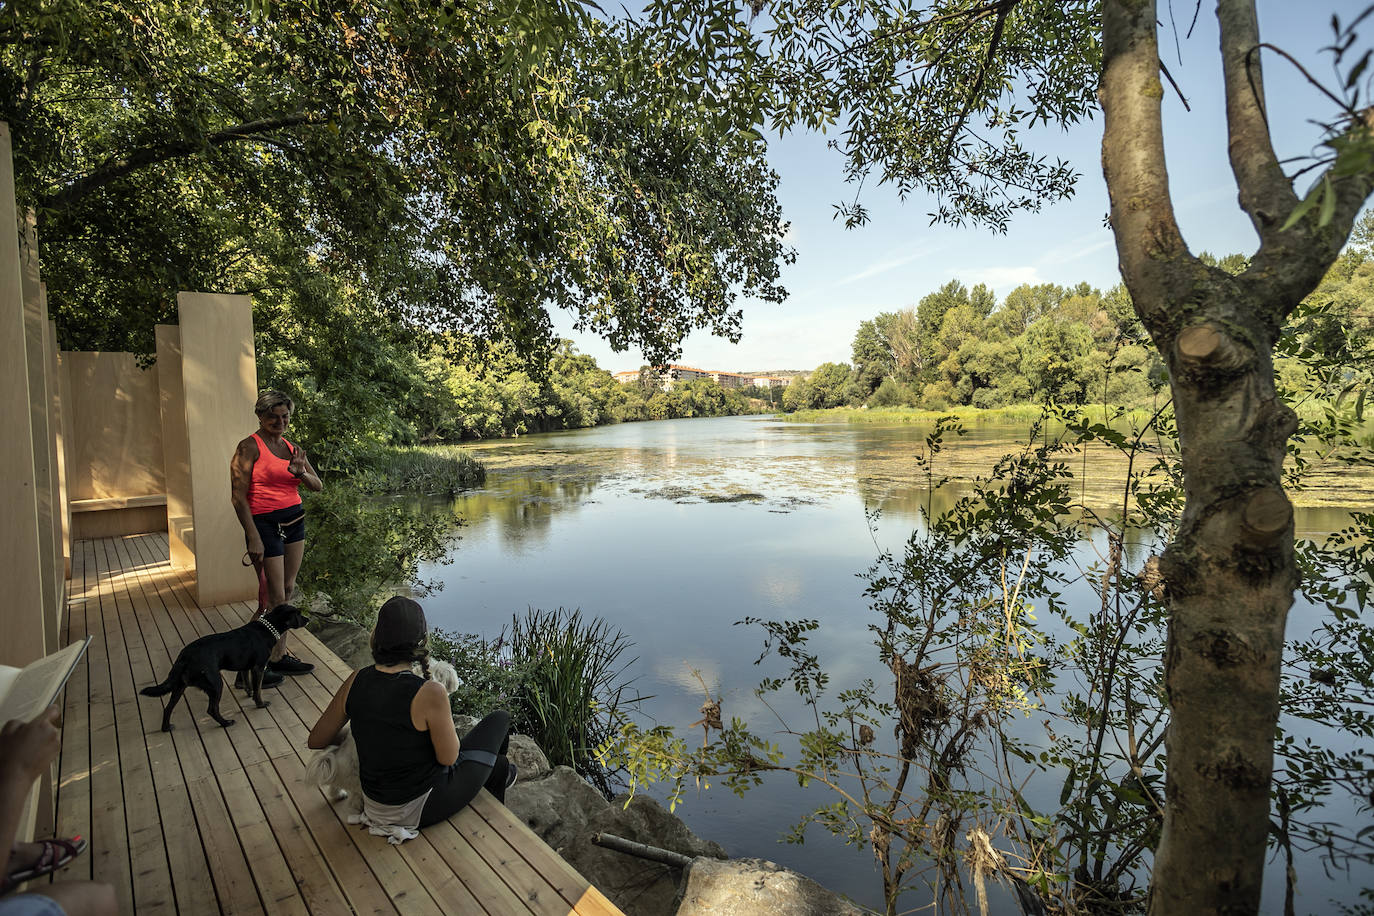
column 674, row 374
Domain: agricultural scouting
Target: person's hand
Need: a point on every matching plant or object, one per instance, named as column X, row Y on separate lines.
column 255, row 549
column 31, row 746
column 297, row 465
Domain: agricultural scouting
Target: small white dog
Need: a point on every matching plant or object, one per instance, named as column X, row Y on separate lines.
column 335, row 769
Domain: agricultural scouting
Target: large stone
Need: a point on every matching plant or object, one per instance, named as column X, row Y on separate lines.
column 739, row 886
column 557, row 806
column 348, row 641
column 638, row 886
column 526, row 755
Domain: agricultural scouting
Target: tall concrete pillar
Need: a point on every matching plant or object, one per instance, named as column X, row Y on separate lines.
column 24, row 616
column 219, row 375
column 62, row 532
column 22, row 609
column 36, row 358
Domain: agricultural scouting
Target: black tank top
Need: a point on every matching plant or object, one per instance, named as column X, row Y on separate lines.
column 395, row 760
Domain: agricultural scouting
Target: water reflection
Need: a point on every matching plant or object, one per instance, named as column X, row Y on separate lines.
column 673, row 531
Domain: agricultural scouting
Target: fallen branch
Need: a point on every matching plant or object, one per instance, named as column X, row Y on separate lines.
column 631, row 848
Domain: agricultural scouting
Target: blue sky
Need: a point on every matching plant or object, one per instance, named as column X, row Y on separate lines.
column 843, row 277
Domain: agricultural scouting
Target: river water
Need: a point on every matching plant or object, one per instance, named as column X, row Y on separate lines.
column 674, row 530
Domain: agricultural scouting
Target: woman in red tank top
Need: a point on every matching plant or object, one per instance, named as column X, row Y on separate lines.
column 265, row 476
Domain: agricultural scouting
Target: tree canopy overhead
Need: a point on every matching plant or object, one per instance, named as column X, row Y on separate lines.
column 467, row 165
column 920, row 96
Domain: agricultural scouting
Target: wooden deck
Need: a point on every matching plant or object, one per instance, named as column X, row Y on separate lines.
column 215, row 820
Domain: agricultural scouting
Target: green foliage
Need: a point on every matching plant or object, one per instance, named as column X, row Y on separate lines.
column 961, row 347
column 362, row 545
column 922, row 98
column 974, row 635
column 488, row 678
column 463, row 165
column 421, row 472
column 560, row 676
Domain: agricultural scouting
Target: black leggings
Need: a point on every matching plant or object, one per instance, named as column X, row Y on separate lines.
column 458, row 784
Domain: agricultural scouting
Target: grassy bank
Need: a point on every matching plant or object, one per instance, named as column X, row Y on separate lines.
column 970, row 416
column 1311, row 410
column 429, row 471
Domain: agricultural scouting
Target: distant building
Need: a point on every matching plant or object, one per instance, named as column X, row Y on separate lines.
column 731, row 380
column 674, row 374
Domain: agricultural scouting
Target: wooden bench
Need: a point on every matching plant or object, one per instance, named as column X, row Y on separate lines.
column 113, row 516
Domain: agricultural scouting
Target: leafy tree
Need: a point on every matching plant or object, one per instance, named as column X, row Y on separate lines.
column 891, row 393
column 1057, row 360
column 830, row 384
column 873, row 358
column 1024, row 306
column 468, row 164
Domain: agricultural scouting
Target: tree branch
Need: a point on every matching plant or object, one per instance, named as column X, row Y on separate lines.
column 116, row 168
column 1265, row 194
column 1148, row 240
column 994, row 42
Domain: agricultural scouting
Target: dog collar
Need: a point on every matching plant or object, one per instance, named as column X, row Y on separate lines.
column 271, row 629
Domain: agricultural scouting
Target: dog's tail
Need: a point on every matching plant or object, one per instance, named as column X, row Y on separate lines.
column 173, row 677
column 320, row 770
column 323, row 767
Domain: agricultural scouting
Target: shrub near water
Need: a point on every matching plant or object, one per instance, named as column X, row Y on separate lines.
column 558, row 674
column 426, row 471
column 489, row 679
column 363, row 544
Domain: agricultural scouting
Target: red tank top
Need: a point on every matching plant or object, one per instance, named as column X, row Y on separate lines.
column 274, row 487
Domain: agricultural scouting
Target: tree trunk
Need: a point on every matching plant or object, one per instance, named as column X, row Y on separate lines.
column 1230, row 572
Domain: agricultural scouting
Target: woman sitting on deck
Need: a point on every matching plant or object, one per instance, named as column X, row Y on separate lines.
column 412, row 770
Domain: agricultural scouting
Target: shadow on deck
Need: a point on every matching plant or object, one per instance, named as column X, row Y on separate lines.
column 214, row 820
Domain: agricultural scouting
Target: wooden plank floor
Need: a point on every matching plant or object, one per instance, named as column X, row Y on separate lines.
column 213, row 820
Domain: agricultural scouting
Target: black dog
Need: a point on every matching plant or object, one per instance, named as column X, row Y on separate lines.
column 244, row 649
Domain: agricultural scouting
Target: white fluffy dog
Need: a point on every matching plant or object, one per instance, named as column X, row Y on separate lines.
column 335, row 769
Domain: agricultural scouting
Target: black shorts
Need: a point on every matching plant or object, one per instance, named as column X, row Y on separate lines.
column 279, row 528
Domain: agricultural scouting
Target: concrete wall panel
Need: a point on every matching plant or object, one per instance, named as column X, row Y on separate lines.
column 116, row 427
column 22, row 611
column 35, row 355
column 63, row 532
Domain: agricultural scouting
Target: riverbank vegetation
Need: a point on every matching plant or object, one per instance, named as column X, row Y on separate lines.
column 560, row 675
column 373, row 170
column 960, row 348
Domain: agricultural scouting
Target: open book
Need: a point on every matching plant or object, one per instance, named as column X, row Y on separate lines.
column 27, row 691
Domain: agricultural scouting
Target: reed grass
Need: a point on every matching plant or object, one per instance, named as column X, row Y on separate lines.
column 575, row 694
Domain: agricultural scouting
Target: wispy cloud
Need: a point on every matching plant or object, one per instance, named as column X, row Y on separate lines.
column 1003, row 278
column 883, row 267
column 1080, row 247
